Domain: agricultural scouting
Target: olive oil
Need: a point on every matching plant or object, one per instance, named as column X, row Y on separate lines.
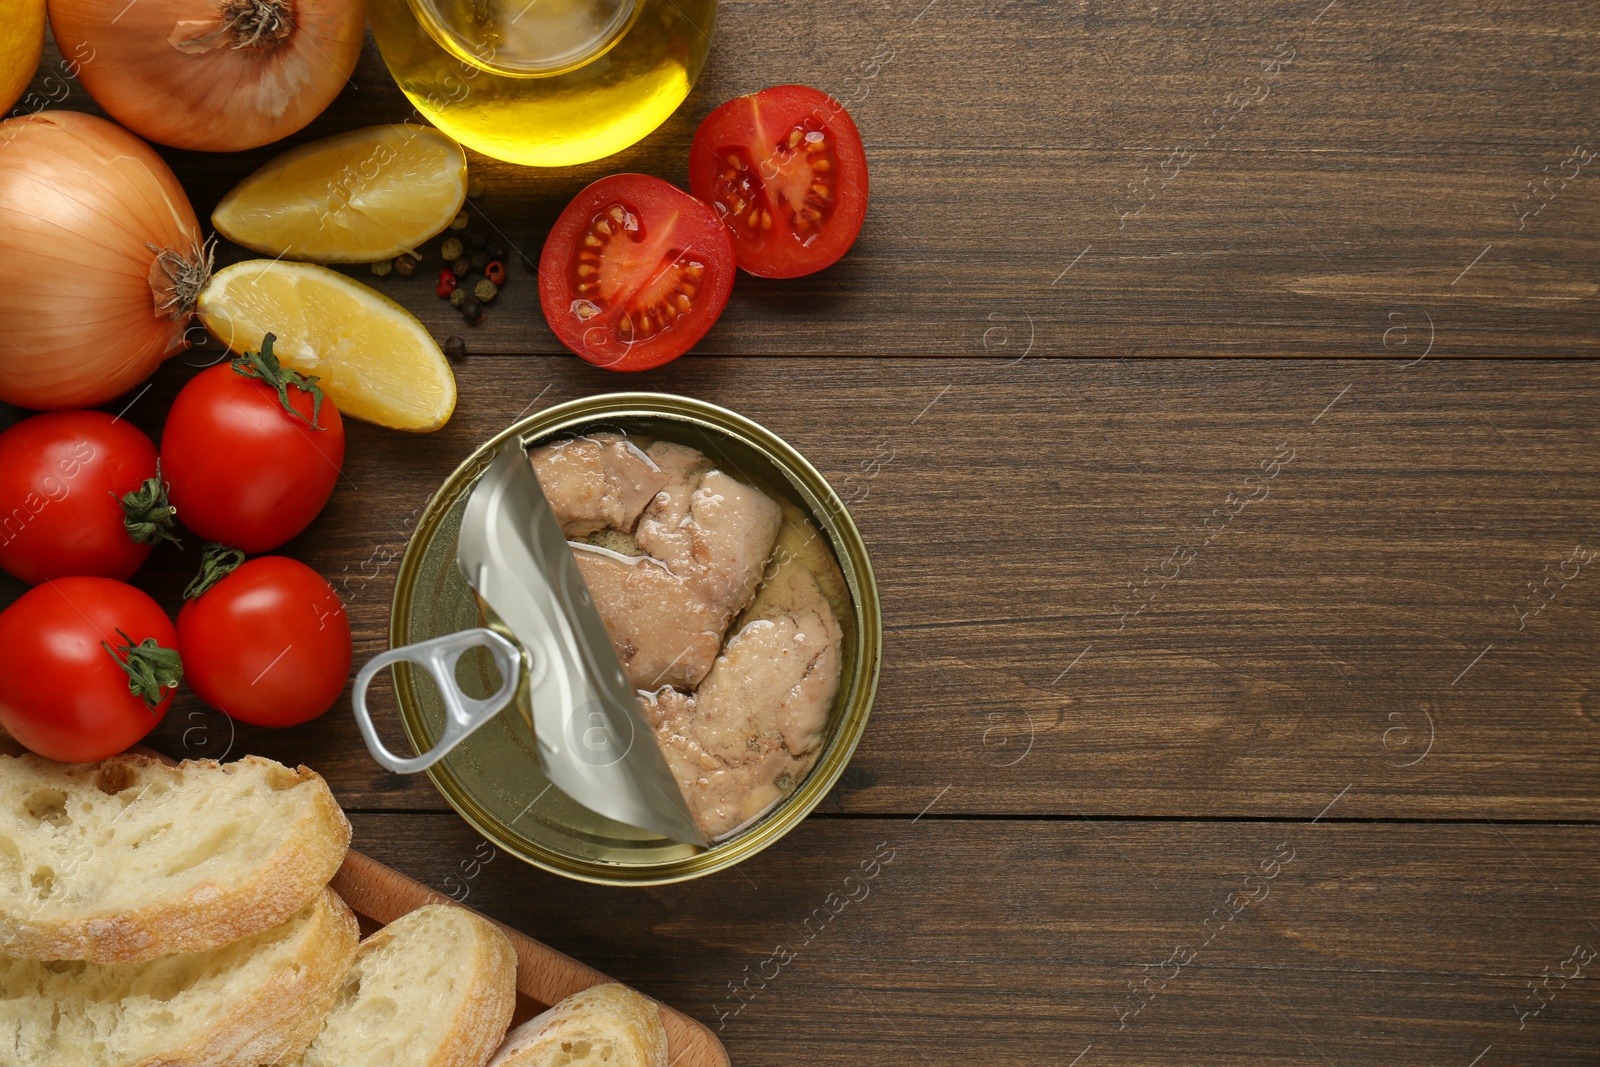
column 545, row 83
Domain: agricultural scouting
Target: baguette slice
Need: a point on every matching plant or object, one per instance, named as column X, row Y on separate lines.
column 130, row 859
column 256, row 1001
column 434, row 988
column 602, row 1026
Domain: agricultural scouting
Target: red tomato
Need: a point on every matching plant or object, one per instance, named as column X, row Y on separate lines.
column 786, row 171
column 241, row 470
column 62, row 479
column 269, row 644
column 634, row 272
column 70, row 688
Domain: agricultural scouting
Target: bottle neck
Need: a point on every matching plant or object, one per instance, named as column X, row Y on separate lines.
column 526, row 38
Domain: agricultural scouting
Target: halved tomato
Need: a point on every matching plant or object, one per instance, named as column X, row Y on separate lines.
column 786, row 171
column 634, row 272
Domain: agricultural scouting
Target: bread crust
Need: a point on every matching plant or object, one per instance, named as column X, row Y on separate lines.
column 630, row 1017
column 278, row 1024
column 269, row 1021
column 207, row 915
column 481, row 1024
column 465, row 1038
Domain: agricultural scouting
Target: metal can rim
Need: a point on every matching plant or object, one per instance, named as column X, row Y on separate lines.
column 824, row 506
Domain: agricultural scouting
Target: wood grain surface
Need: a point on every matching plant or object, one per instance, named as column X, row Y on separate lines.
column 1156, row 617
column 1329, row 634
column 1008, row 941
column 1239, row 178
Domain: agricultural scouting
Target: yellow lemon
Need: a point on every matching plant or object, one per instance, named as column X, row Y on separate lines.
column 359, row 197
column 21, row 42
column 374, row 359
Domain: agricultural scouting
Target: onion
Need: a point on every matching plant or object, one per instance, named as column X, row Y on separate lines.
column 217, row 75
column 101, row 259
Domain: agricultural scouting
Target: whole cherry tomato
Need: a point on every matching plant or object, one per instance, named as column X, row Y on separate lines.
column 251, row 452
column 267, row 642
column 87, row 668
column 80, row 493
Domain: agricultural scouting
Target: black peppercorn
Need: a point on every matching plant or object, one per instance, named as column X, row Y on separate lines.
column 405, row 265
column 455, row 346
column 472, row 311
column 461, row 266
column 476, row 240
column 479, row 260
column 495, row 249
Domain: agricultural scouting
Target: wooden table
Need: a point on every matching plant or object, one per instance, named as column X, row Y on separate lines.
column 1172, row 767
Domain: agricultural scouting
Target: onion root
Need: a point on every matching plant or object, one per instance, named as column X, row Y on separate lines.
column 180, row 279
column 261, row 25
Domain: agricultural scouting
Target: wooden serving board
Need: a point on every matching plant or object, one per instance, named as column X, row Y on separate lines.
column 380, row 895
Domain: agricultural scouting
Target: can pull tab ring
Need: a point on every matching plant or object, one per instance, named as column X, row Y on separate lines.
column 463, row 714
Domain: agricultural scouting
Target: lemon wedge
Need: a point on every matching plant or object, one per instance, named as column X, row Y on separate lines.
column 374, row 359
column 362, row 196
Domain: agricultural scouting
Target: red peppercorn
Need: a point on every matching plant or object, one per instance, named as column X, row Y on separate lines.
column 495, row 272
column 447, row 283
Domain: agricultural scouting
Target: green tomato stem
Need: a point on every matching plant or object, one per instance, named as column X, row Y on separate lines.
column 264, row 367
column 147, row 515
column 216, row 563
column 151, row 669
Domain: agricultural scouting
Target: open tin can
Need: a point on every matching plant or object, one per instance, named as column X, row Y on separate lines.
column 493, row 778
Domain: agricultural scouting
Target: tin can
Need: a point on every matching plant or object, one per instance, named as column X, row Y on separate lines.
column 493, row 779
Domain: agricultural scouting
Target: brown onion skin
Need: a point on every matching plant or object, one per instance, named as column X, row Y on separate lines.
column 79, row 199
column 221, row 100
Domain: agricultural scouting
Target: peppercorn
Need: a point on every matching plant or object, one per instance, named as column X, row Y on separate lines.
column 485, row 290
column 476, row 240
column 383, row 267
column 447, row 282
column 479, row 260
column 451, row 249
column 460, row 296
column 495, row 272
column 459, row 222
column 405, row 264
column 495, row 249
column 455, row 346
column 472, row 311
column 474, row 187
column 461, row 266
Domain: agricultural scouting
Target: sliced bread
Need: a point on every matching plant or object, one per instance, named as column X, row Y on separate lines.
column 602, row 1026
column 130, row 859
column 434, row 988
column 256, row 1001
